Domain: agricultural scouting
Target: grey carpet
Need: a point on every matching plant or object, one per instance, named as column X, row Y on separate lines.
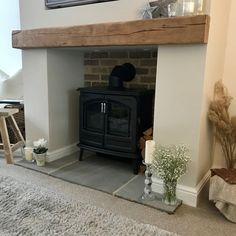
column 30, row 210
column 101, row 173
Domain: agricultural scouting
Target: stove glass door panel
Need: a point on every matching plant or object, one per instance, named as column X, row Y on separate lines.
column 118, row 119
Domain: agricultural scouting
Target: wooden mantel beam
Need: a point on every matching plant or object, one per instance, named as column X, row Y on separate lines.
column 175, row 30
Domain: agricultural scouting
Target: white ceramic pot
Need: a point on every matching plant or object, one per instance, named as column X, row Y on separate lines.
column 40, row 159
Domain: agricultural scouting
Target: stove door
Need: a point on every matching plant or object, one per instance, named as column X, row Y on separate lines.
column 120, row 123
column 92, row 119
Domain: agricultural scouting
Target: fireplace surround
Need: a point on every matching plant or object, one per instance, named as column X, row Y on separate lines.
column 177, row 107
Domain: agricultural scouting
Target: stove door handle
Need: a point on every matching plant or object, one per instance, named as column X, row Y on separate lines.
column 104, row 107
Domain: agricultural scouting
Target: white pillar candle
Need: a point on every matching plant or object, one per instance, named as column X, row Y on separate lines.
column 28, row 153
column 149, row 150
column 188, row 7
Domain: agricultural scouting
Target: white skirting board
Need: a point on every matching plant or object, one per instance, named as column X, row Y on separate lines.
column 62, row 152
column 54, row 155
column 51, row 156
column 188, row 195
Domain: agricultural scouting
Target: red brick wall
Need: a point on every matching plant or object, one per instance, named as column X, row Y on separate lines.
column 98, row 66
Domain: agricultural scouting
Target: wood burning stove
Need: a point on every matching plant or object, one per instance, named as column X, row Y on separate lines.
column 112, row 121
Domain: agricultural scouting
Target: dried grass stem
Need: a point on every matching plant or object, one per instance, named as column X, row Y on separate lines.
column 225, row 126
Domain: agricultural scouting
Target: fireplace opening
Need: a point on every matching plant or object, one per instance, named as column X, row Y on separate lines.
column 114, row 112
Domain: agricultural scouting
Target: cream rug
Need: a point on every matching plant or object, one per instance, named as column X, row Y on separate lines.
column 29, row 210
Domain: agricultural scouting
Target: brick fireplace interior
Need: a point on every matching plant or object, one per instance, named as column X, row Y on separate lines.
column 98, row 65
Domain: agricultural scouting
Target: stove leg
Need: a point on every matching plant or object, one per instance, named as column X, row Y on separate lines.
column 135, row 166
column 81, row 154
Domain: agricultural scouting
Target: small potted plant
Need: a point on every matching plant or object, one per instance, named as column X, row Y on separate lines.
column 170, row 163
column 40, row 151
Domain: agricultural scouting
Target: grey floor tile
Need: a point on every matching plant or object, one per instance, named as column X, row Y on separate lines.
column 98, row 172
column 133, row 191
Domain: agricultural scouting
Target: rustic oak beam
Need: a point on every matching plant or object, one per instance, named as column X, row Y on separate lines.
column 175, row 30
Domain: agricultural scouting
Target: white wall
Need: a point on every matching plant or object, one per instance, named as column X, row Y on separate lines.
column 51, row 101
column 228, row 72
column 179, row 91
column 216, row 56
column 121, row 10
column 37, row 16
column 36, row 94
column 229, row 76
column 65, row 74
column 10, row 60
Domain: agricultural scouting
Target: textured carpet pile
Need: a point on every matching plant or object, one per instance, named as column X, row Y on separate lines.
column 29, row 210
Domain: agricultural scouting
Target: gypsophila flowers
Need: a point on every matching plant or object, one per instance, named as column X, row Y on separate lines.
column 170, row 162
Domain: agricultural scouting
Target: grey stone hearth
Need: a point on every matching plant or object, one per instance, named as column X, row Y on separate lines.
column 109, row 175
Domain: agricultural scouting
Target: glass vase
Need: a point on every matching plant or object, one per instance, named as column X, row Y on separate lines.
column 169, row 195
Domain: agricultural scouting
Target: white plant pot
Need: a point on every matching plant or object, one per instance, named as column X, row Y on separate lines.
column 40, row 159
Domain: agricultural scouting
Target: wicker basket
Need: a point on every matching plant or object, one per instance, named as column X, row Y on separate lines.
column 20, row 120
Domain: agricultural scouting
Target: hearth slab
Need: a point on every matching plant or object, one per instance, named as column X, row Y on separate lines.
column 133, row 191
column 97, row 172
column 101, row 173
column 50, row 166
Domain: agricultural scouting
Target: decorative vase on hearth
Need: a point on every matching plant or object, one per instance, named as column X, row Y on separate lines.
column 170, row 163
column 40, row 159
column 169, row 195
column 40, row 151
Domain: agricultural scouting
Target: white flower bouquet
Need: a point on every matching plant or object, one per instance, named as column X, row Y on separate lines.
column 40, row 146
column 170, row 163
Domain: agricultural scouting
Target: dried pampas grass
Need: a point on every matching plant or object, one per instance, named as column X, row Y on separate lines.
column 225, row 126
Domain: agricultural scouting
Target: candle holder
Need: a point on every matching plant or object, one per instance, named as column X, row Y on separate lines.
column 148, row 194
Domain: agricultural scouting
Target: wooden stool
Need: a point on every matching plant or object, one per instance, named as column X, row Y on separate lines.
column 5, row 145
